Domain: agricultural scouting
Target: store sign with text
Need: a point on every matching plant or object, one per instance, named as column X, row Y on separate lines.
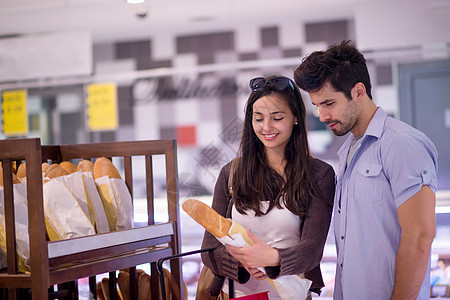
column 14, row 113
column 102, row 114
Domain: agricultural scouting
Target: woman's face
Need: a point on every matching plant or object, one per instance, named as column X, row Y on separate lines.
column 273, row 122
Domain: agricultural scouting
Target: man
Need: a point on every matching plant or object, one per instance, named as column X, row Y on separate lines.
column 384, row 206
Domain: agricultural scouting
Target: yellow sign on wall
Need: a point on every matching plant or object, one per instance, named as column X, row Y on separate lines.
column 102, row 107
column 15, row 115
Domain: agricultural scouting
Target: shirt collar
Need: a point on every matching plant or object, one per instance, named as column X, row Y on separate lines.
column 375, row 129
column 376, row 125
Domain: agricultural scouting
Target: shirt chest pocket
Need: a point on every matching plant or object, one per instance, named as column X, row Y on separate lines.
column 369, row 182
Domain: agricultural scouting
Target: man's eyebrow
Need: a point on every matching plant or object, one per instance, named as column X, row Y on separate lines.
column 325, row 101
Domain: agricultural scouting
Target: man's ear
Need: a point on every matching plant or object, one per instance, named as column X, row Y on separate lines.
column 358, row 91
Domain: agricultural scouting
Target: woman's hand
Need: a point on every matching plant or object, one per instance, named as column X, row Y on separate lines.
column 258, row 255
column 256, row 273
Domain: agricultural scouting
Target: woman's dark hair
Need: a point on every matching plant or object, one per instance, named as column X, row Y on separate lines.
column 255, row 181
column 341, row 65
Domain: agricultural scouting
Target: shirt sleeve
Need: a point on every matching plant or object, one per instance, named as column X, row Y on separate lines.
column 410, row 162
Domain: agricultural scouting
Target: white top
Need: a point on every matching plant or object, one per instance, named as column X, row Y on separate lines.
column 279, row 229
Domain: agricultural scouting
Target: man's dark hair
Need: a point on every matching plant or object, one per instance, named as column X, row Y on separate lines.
column 341, row 65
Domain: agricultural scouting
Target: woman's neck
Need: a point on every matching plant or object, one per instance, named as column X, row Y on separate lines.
column 276, row 160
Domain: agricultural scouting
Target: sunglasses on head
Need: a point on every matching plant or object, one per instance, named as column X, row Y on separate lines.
column 279, row 83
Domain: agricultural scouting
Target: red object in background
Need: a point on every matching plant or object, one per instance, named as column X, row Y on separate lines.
column 259, row 296
column 186, row 135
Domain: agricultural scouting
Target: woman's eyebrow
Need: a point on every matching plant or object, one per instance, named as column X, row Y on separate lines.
column 272, row 113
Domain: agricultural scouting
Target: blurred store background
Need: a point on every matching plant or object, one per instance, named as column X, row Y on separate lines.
column 81, row 71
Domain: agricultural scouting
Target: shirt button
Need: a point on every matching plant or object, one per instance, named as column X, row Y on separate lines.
column 341, row 265
column 367, row 171
column 342, row 237
column 424, row 172
column 339, row 211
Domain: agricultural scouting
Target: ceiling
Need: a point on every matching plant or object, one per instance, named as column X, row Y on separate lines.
column 115, row 20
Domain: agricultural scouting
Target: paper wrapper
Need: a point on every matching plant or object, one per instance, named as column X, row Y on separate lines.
column 64, row 216
column 117, row 202
column 85, row 191
column 288, row 287
column 21, row 219
column 93, row 197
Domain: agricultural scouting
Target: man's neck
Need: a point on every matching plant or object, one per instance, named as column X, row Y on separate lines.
column 368, row 109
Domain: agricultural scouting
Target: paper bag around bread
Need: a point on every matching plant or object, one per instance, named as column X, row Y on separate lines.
column 21, row 224
column 115, row 195
column 64, row 216
column 288, row 287
column 86, row 193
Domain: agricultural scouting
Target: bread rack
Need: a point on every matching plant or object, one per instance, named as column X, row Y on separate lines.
column 65, row 261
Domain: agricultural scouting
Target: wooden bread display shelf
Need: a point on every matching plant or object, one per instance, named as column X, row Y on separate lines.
column 67, row 260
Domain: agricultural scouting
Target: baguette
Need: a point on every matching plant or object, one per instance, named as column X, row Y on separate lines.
column 68, row 166
column 85, row 166
column 14, row 166
column 22, row 170
column 15, row 179
column 57, row 172
column 104, row 167
column 123, row 281
column 45, row 167
column 207, row 217
column 144, row 291
column 49, row 169
column 105, row 288
column 99, row 289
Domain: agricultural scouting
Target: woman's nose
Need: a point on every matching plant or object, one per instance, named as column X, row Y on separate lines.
column 267, row 125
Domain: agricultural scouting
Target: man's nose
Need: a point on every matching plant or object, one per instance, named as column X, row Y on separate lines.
column 323, row 115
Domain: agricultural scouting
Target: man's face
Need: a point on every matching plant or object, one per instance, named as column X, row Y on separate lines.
column 335, row 110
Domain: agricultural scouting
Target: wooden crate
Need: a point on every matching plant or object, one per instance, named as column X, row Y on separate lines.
column 67, row 260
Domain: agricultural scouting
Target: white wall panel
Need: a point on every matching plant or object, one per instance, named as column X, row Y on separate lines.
column 46, row 56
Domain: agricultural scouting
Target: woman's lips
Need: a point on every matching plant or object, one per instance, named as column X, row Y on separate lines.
column 270, row 137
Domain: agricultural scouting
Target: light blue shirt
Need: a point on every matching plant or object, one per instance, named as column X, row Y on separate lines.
column 390, row 165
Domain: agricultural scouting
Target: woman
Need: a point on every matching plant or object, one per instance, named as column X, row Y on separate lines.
column 279, row 192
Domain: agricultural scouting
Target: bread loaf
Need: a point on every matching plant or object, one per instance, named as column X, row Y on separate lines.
column 105, row 288
column 50, row 168
column 14, row 166
column 45, row 167
column 85, row 166
column 68, row 166
column 22, row 170
column 207, row 217
column 99, row 289
column 57, row 172
column 15, row 179
column 104, row 167
column 143, row 280
column 144, row 291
